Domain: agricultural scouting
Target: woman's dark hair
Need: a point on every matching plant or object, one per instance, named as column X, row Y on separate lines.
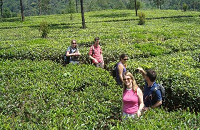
column 122, row 56
column 96, row 38
column 151, row 74
column 73, row 41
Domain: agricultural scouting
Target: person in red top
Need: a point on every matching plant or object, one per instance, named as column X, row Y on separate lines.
column 95, row 54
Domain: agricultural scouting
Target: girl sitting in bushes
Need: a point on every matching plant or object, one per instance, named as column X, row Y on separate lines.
column 73, row 52
column 132, row 98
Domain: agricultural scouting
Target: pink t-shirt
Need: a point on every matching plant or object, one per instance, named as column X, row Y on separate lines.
column 130, row 101
column 97, row 53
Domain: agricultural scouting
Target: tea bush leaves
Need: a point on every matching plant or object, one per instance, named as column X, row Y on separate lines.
column 44, row 92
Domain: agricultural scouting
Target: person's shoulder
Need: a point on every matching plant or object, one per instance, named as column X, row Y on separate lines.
column 154, row 84
column 92, row 46
column 68, row 48
column 120, row 64
column 156, row 87
column 139, row 90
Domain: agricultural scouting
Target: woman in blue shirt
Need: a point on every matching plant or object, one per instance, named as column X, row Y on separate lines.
column 121, row 68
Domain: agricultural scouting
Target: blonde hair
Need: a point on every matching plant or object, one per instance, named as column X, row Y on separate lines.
column 134, row 84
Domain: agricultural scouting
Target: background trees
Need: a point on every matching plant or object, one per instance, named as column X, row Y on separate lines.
column 42, row 7
column 1, row 4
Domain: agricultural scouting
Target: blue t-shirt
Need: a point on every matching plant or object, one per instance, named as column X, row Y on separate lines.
column 156, row 96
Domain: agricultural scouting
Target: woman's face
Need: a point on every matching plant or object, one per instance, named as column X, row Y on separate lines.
column 128, row 81
column 96, row 42
column 73, row 43
column 124, row 60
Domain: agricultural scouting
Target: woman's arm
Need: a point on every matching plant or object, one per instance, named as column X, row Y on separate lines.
column 120, row 69
column 141, row 103
column 70, row 54
column 142, row 71
column 77, row 52
column 122, row 105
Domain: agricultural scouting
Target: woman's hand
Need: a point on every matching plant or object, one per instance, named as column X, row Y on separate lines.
column 138, row 113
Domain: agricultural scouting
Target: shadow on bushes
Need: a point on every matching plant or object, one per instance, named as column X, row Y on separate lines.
column 113, row 15
column 11, row 19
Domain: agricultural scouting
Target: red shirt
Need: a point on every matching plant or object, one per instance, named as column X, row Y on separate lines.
column 96, row 52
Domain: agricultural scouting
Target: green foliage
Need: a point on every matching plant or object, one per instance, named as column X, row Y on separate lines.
column 54, row 96
column 45, row 6
column 185, row 7
column 138, row 5
column 131, row 4
column 71, row 6
column 150, row 48
column 44, row 28
column 154, row 120
column 6, row 13
column 141, row 18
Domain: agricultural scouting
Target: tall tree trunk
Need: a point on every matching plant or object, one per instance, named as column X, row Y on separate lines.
column 22, row 10
column 136, row 7
column 82, row 15
column 39, row 2
column 1, row 8
column 76, row 6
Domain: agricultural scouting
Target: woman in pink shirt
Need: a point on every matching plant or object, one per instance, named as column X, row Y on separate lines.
column 132, row 100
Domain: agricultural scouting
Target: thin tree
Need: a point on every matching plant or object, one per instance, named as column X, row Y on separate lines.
column 136, row 7
column 82, row 15
column 1, row 8
column 22, row 10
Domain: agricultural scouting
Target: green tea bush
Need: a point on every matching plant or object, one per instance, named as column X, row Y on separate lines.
column 150, row 48
column 141, row 18
column 46, row 95
column 44, row 28
column 172, row 120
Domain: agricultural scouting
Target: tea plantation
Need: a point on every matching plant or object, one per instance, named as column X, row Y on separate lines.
column 38, row 92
